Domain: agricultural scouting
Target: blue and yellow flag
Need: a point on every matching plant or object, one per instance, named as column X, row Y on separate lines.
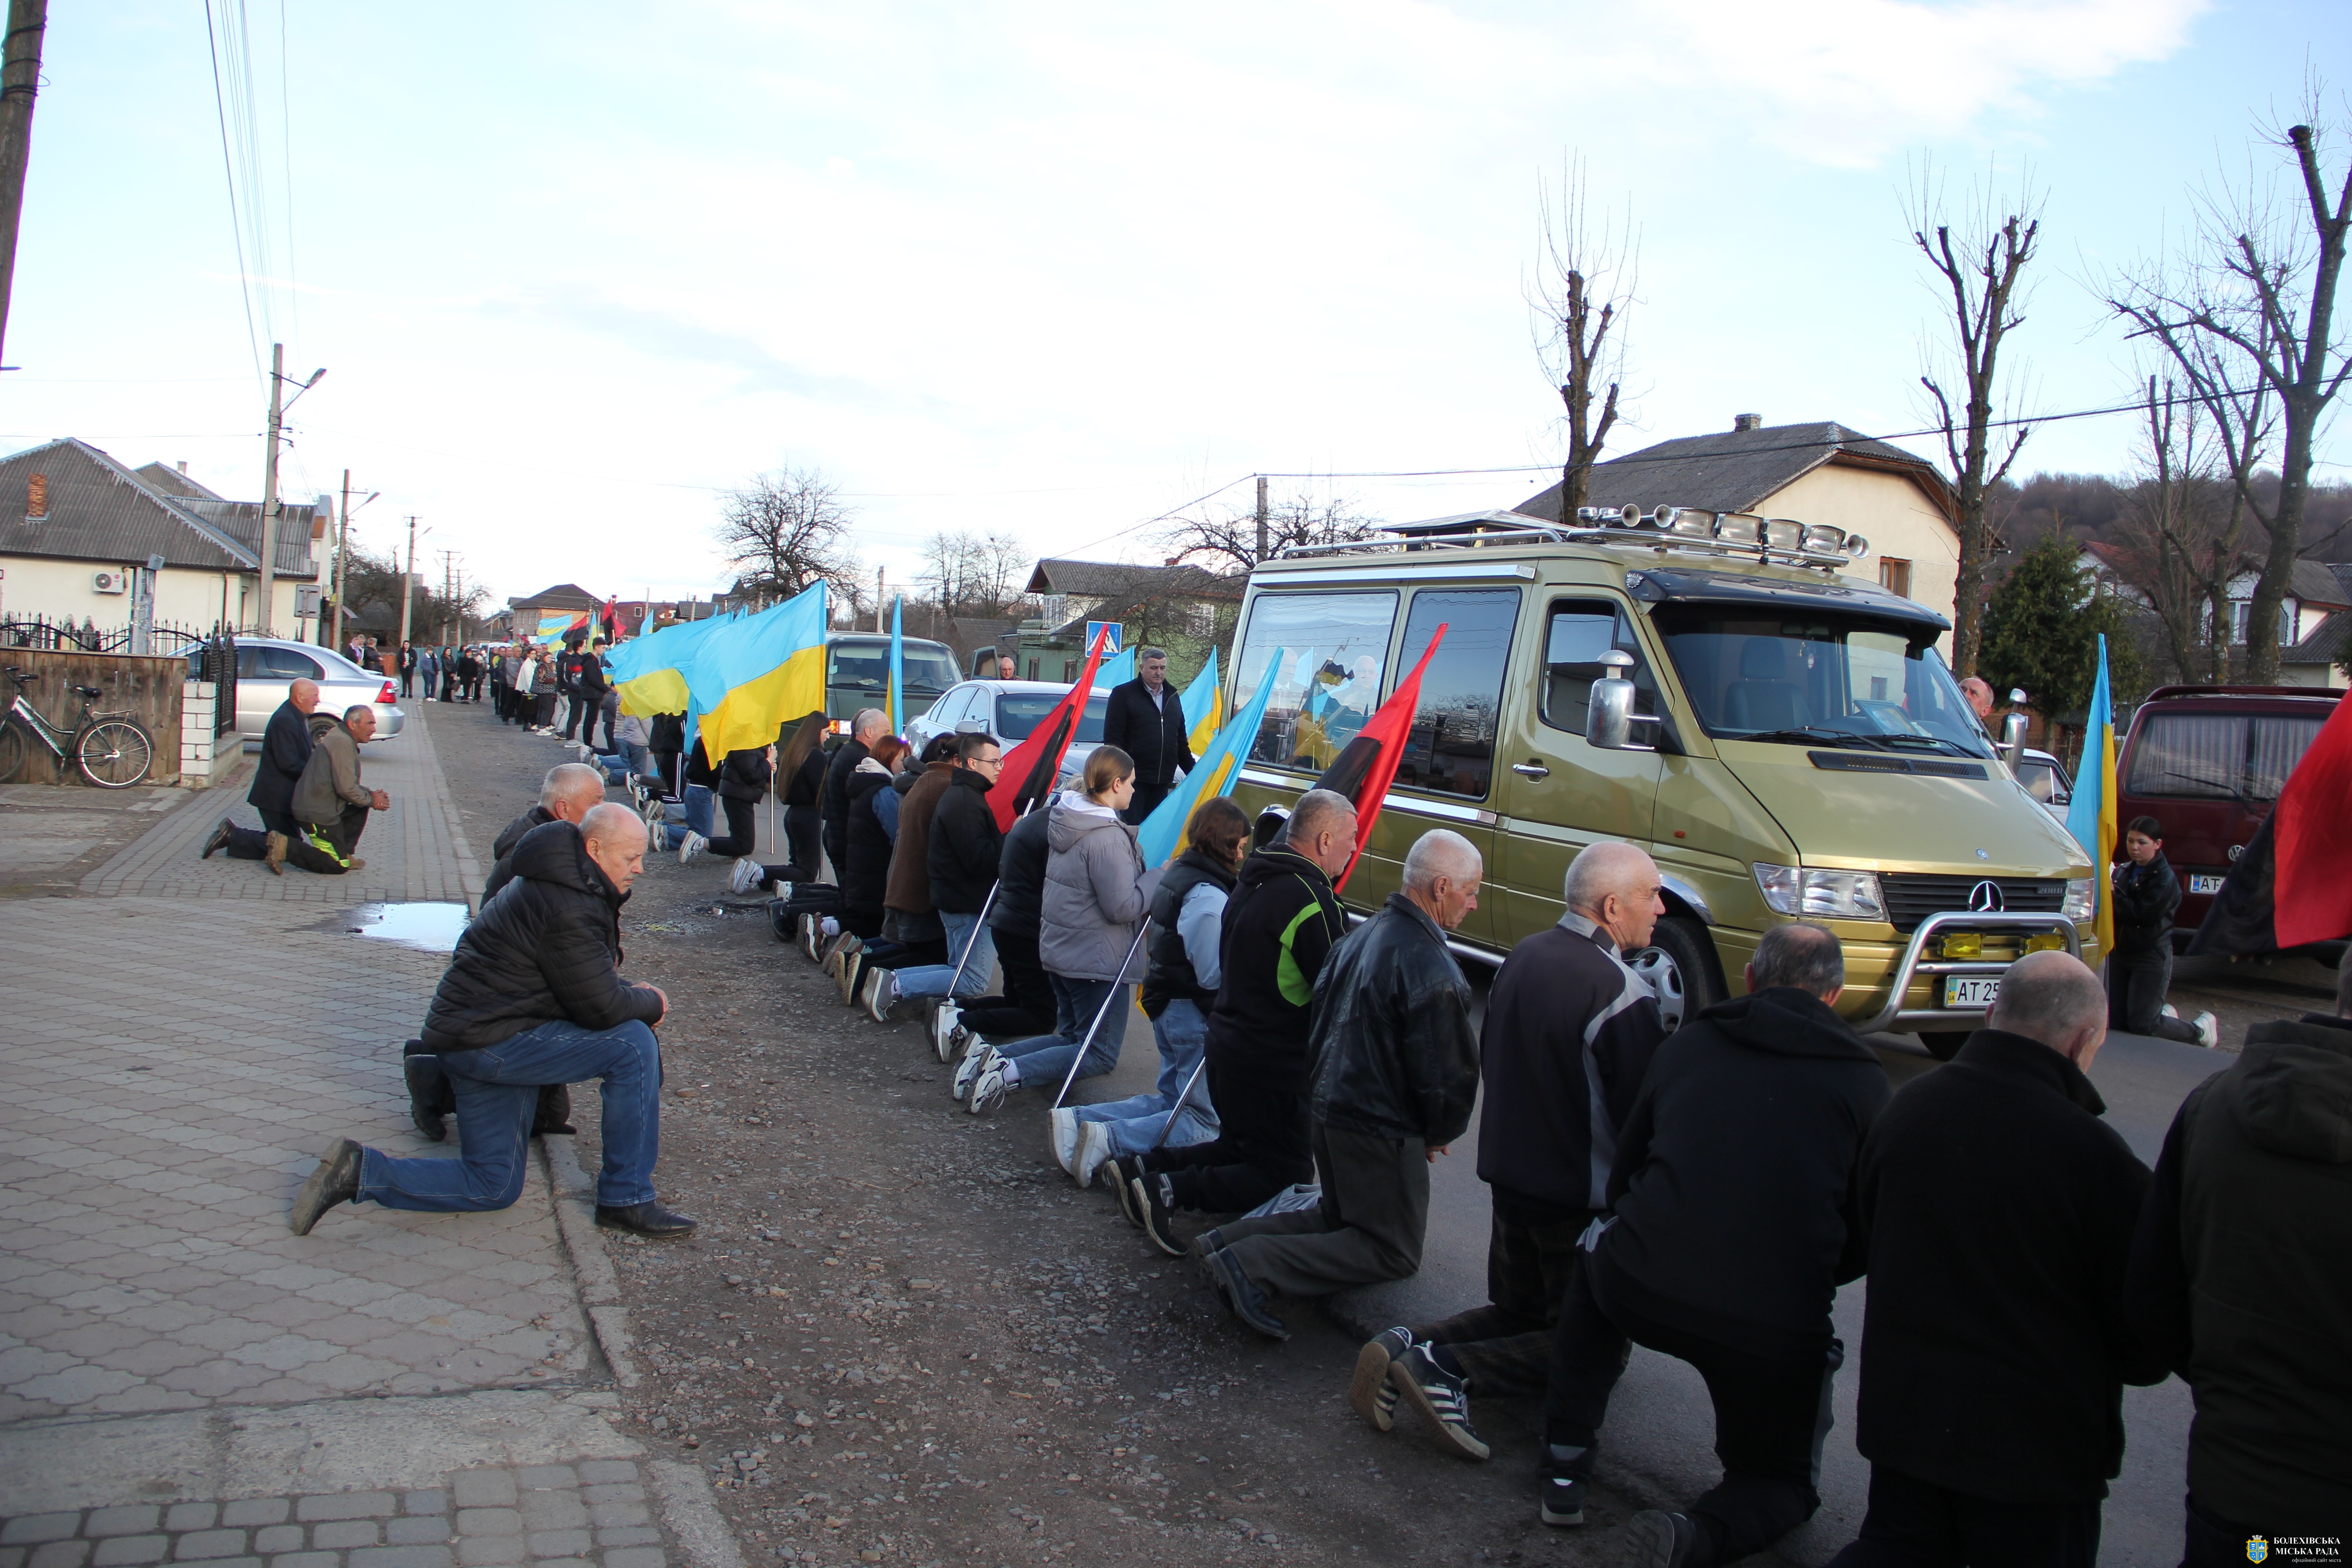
column 751, row 676
column 649, row 672
column 897, row 671
column 1117, row 670
column 2091, row 815
column 1161, row 837
column 1204, row 707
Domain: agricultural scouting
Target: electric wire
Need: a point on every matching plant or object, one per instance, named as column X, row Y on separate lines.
column 228, row 172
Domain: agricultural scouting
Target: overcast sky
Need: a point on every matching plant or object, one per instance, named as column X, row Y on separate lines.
column 1055, row 268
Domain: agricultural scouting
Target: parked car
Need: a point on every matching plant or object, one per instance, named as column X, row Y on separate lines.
column 2207, row 761
column 858, row 674
column 2045, row 778
column 267, row 666
column 1010, row 710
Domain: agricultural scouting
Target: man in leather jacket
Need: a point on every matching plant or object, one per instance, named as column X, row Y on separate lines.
column 1395, row 1073
column 533, row 995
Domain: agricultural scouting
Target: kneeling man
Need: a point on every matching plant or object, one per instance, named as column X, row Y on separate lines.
column 534, row 995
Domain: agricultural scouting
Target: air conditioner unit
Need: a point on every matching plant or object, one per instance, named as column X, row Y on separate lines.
column 110, row 582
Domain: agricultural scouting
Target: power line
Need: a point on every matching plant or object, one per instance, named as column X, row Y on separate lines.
column 228, row 172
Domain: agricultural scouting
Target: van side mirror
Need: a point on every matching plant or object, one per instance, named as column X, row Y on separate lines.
column 1608, row 715
column 2012, row 740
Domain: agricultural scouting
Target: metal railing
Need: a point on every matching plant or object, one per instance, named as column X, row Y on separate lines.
column 45, row 636
column 216, row 662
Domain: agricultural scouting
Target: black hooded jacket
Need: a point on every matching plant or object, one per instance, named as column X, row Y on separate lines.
column 1732, row 1190
column 503, row 848
column 2146, row 897
column 965, row 846
column 1281, row 924
column 744, row 775
column 866, row 868
column 1394, row 1054
column 1020, row 905
column 834, row 805
column 547, row 947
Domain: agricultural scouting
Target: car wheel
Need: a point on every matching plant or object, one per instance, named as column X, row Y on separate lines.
column 1680, row 969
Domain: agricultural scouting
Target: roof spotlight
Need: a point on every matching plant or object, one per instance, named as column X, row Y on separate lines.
column 1737, row 528
column 1687, row 522
column 1783, row 533
column 1822, row 537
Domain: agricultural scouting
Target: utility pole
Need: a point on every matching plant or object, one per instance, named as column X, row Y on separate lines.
column 263, row 620
column 343, row 537
column 20, row 80
column 448, row 586
column 881, row 592
column 1260, row 517
column 408, row 581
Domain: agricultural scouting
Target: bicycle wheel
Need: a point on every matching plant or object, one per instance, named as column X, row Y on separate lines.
column 114, row 753
column 13, row 753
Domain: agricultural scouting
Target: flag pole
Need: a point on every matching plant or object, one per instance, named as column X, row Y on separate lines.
column 1100, row 1013
column 1178, row 1109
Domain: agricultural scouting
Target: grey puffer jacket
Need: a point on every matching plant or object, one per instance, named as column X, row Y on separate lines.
column 1096, row 891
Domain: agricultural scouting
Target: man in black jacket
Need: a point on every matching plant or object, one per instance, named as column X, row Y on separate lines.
column 591, row 685
column 284, row 753
column 1998, row 1211
column 1395, row 1075
column 2139, row 970
column 2237, row 1283
column 1730, row 1228
column 533, row 995
column 869, row 726
column 1145, row 719
column 1280, row 925
column 960, row 859
column 569, row 793
column 1569, row 1035
column 1027, row 1007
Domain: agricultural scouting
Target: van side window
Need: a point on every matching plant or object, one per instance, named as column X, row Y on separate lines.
column 1334, row 653
column 1451, row 748
column 1576, row 634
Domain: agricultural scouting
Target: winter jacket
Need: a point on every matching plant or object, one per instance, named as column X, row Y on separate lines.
column 1154, row 736
column 1021, row 877
column 1171, row 975
column 592, row 680
column 909, row 887
column 503, row 848
column 547, row 947
column 699, row 770
column 634, row 730
column 1394, row 1055
column 1733, row 1191
column 2238, row 1276
column 744, row 775
column 544, row 680
column 865, row 856
column 1569, row 1036
column 284, row 753
column 1281, row 923
column 668, row 734
column 1096, row 891
column 966, row 846
column 1996, row 1210
column 808, row 785
column 331, row 779
column 2146, row 897
column 835, row 802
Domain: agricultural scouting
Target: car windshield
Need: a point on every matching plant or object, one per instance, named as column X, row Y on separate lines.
column 1816, row 679
column 1017, row 714
column 2215, row 756
column 867, row 667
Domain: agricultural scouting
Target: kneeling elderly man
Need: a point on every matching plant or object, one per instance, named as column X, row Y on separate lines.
column 534, row 995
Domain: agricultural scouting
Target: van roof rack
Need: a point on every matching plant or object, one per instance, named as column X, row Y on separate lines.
column 1664, row 529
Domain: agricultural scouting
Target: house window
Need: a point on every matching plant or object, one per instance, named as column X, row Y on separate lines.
column 1070, row 670
column 1895, row 576
column 1055, row 608
column 1032, row 669
column 1201, row 620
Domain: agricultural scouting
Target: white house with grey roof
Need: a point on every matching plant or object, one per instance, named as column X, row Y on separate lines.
column 74, row 522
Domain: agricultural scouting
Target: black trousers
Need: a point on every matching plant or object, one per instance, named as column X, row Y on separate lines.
column 542, row 711
column 802, row 825
column 742, row 829
column 1026, row 1008
column 407, row 682
column 1531, row 1257
column 574, row 708
column 1264, row 1143
column 1771, row 1415
column 1914, row 1523
column 2137, row 982
column 344, row 832
column 1367, row 1230
column 252, row 843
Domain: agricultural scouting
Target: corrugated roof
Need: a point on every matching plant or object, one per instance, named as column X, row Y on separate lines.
column 241, row 521
column 166, row 481
column 2315, row 584
column 1733, row 470
column 562, row 596
column 1124, row 580
column 2325, row 645
column 98, row 510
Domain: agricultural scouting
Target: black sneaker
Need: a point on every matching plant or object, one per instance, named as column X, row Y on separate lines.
column 1126, row 1171
column 1371, row 1392
column 422, row 1074
column 1568, row 1480
column 1442, row 1399
column 1662, row 1539
column 336, row 1181
column 1241, row 1295
column 219, row 840
column 647, row 1219
column 1155, row 1207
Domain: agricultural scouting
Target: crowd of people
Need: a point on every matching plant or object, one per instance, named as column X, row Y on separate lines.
column 1703, row 1193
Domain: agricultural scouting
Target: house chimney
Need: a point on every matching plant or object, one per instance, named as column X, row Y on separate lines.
column 184, row 465
column 1747, row 422
column 37, row 498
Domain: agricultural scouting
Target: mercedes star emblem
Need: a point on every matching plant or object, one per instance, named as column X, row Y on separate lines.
column 1984, row 898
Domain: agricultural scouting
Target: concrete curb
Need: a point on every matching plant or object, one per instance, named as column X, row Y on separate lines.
column 573, row 1194
column 691, row 1511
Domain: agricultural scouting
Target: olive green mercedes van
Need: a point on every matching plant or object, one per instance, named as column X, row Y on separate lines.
column 1782, row 738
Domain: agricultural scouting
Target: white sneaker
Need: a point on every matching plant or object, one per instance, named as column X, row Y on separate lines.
column 1093, row 1149
column 881, row 994
column 975, row 1061
column 808, row 941
column 2170, row 1011
column 745, row 876
column 652, row 812
column 1061, row 1126
column 944, row 1030
column 990, row 1085
column 2208, row 1031
column 694, row 845
column 844, row 979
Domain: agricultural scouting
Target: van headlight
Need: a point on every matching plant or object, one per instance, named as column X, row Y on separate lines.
column 1835, row 895
column 2082, row 900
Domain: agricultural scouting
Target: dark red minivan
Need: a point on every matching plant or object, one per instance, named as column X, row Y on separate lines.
column 2207, row 761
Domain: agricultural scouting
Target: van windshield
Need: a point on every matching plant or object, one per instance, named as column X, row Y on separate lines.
column 867, row 665
column 2213, row 756
column 1018, row 712
column 1818, row 680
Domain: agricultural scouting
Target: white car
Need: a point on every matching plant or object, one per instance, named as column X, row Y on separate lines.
column 1010, row 710
column 2045, row 778
column 267, row 666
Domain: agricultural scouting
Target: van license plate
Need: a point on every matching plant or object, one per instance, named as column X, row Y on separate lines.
column 1971, row 991
column 2204, row 882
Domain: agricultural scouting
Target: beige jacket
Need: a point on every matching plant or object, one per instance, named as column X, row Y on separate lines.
column 333, row 775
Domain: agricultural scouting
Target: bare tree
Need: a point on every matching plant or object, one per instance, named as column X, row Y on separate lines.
column 1585, row 275
column 967, row 573
column 2248, row 314
column 788, row 532
column 1979, row 271
column 1225, row 541
column 2180, row 539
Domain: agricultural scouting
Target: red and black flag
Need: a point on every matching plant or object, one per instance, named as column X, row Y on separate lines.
column 1364, row 767
column 2294, row 883
column 1031, row 766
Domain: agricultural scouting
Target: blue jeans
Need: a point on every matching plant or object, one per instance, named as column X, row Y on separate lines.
column 934, row 979
column 632, row 758
column 498, row 1090
column 1047, row 1059
column 1182, row 1031
column 693, row 815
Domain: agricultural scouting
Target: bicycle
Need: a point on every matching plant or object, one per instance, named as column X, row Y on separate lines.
column 112, row 751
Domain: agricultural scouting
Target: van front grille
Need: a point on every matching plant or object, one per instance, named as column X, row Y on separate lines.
column 1912, row 896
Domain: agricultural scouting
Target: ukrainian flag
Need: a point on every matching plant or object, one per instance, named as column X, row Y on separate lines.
column 897, row 698
column 750, row 676
column 2091, row 815
column 1204, row 706
column 649, row 672
column 1117, row 670
column 1161, row 837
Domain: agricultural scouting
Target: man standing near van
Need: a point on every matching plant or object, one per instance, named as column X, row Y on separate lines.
column 1145, row 719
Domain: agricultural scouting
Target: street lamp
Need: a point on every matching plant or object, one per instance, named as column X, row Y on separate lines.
column 342, row 538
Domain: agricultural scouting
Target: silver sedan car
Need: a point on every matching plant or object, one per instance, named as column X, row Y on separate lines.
column 267, row 666
column 1010, row 710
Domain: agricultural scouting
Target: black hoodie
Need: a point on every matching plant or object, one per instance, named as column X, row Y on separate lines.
column 1733, row 1189
column 1281, row 922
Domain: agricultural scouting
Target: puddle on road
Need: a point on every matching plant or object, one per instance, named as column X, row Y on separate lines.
column 432, row 927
